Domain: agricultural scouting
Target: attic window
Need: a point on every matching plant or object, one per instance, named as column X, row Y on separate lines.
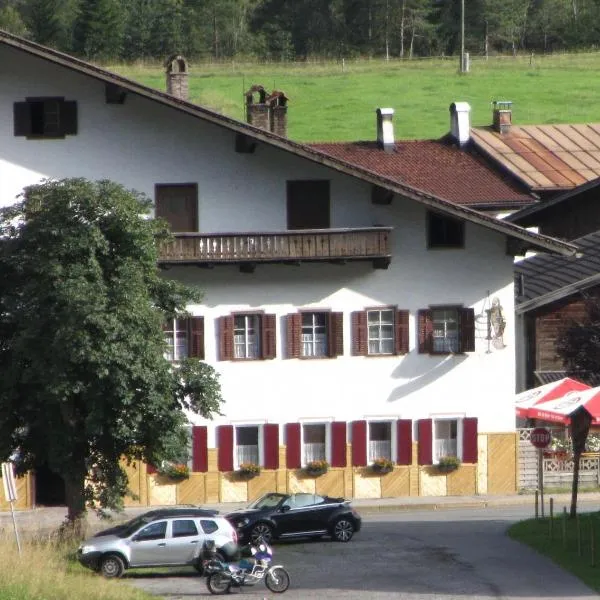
column 49, row 118
column 444, row 232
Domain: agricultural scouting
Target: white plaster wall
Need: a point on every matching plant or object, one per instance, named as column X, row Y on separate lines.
column 142, row 143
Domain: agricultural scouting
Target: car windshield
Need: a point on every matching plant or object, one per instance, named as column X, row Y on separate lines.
column 267, row 501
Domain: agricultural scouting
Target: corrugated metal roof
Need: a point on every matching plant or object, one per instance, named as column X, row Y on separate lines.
column 545, row 278
column 544, row 157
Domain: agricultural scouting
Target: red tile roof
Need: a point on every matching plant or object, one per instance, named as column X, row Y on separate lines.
column 436, row 167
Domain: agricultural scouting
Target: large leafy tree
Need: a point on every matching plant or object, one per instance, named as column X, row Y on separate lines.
column 83, row 379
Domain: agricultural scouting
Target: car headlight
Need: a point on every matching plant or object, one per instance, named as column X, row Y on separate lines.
column 242, row 523
column 85, row 548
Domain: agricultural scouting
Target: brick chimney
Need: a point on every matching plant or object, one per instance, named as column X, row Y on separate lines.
column 460, row 122
column 177, row 77
column 502, row 114
column 385, row 129
column 277, row 102
column 257, row 110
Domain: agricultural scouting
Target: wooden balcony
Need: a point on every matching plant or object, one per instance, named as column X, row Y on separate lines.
column 293, row 247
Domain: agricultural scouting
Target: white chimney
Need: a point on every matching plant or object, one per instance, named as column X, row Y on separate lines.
column 460, row 122
column 385, row 129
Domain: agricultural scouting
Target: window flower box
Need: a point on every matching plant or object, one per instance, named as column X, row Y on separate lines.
column 248, row 470
column 316, row 467
column 175, row 471
column 447, row 464
column 381, row 466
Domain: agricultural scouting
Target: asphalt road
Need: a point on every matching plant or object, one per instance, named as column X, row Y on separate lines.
column 455, row 554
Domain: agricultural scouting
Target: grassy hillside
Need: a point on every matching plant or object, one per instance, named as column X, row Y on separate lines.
column 331, row 101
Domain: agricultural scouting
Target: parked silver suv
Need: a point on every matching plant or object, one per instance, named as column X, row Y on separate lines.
column 171, row 537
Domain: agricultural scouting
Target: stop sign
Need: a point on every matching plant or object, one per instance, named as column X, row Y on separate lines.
column 540, row 437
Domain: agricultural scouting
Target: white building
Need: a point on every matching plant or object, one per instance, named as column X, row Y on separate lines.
column 350, row 316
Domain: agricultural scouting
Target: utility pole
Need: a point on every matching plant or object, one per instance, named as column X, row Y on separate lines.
column 462, row 36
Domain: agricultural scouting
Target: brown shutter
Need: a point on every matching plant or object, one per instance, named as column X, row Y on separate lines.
column 425, row 319
column 404, row 441
column 225, row 447
column 466, row 324
column 401, row 339
column 22, row 118
column 195, row 328
column 68, row 118
column 360, row 333
column 335, row 338
column 425, row 431
column 271, row 444
column 338, row 444
column 294, row 335
column 226, row 338
column 469, row 449
column 268, row 327
column 199, row 449
column 293, row 451
column 359, row 443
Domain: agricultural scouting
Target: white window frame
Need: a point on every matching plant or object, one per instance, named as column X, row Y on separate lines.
column 314, row 344
column 393, row 437
column 251, row 350
column 443, row 325
column 172, row 353
column 435, row 454
column 261, row 447
column 327, row 424
column 379, row 339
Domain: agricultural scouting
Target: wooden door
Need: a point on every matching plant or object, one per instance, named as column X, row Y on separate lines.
column 178, row 205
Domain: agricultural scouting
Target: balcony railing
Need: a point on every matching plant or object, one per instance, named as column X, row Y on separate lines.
column 282, row 246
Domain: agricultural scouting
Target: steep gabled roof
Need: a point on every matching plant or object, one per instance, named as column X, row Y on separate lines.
column 525, row 238
column 546, row 278
column 544, row 157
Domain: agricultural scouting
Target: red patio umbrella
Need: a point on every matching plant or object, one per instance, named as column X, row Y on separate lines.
column 561, row 409
column 544, row 393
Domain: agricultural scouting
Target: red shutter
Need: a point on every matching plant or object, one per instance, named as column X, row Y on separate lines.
column 335, row 342
column 425, row 331
column 469, row 450
column 360, row 337
column 425, row 429
column 338, row 444
column 225, row 338
column 271, row 445
column 401, row 340
column 466, row 324
column 359, row 443
column 196, row 337
column 150, row 469
column 268, row 326
column 294, row 335
column 404, row 442
column 225, row 447
column 199, row 449
column 292, row 446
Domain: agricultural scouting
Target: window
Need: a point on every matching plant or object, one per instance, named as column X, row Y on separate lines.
column 380, row 440
column 178, row 205
column 446, row 330
column 247, row 336
column 315, row 335
column 444, row 232
column 445, row 438
column 380, row 331
column 208, row 526
column 184, row 528
column 184, row 338
column 246, row 339
column 247, row 445
column 45, row 118
column 308, row 205
column 314, row 442
column 154, row 531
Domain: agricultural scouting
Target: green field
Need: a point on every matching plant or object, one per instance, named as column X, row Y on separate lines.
column 337, row 102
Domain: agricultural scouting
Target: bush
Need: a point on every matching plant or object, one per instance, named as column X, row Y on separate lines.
column 447, row 464
column 249, row 469
column 317, row 467
column 382, row 465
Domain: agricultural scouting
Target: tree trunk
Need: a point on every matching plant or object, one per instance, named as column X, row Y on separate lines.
column 76, row 508
column 580, row 427
column 402, row 22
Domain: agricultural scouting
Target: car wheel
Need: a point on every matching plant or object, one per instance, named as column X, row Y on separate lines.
column 112, row 566
column 261, row 532
column 343, row 530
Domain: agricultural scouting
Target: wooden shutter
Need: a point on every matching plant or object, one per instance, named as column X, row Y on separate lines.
column 293, row 458
column 225, row 447
column 268, row 327
column 294, row 335
column 150, row 469
column 469, row 453
column 68, row 117
column 271, row 445
column 466, row 324
column 360, row 333
column 401, row 338
column 404, row 441
column 22, row 118
column 335, row 338
column 338, row 444
column 199, row 449
column 195, row 328
column 425, row 429
column 425, row 319
column 359, row 443
column 225, row 338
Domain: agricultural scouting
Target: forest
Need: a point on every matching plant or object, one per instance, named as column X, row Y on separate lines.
column 296, row 30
